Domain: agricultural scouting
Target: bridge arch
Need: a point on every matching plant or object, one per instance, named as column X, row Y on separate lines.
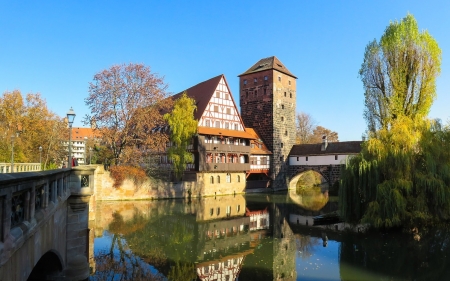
column 301, row 172
column 49, row 266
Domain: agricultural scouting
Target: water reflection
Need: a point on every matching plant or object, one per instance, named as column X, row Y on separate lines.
column 256, row 237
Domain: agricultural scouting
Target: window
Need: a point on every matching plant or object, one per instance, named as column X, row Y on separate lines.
column 281, row 158
column 238, row 180
column 217, row 94
column 236, row 127
column 227, row 97
column 282, row 118
column 284, row 94
column 217, row 124
column 263, row 160
column 256, row 92
column 255, row 80
column 246, row 94
column 211, row 179
column 279, row 78
column 211, row 211
column 252, row 145
column 286, row 133
column 207, row 123
column 228, row 214
column 216, row 108
column 282, row 145
column 290, row 95
column 282, row 106
column 238, row 207
column 228, row 110
column 218, row 211
column 335, row 157
column 297, row 158
column 289, row 82
column 245, row 81
column 218, row 179
column 227, row 125
column 266, row 78
column 306, row 158
column 264, row 91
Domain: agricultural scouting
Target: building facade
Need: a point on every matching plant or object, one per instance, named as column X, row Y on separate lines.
column 267, row 93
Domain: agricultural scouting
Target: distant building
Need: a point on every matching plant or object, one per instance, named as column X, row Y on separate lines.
column 79, row 140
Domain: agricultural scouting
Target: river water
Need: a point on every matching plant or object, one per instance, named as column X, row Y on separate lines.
column 253, row 237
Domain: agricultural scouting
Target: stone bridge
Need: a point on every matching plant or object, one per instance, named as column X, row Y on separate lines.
column 331, row 173
column 44, row 224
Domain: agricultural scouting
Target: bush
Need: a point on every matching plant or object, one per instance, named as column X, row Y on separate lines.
column 120, row 173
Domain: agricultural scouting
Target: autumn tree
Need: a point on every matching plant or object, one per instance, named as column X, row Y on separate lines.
column 305, row 125
column 399, row 74
column 126, row 102
column 309, row 132
column 183, row 126
column 31, row 125
column 320, row 131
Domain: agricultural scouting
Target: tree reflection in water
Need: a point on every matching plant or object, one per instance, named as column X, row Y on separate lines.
column 305, row 245
column 120, row 263
column 398, row 255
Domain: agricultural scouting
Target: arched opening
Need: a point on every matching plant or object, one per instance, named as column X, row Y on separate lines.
column 48, row 267
column 309, row 189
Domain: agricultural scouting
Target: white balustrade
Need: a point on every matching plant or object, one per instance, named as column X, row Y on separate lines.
column 19, row 167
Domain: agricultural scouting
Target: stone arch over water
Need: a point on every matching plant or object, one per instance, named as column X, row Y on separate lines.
column 49, row 266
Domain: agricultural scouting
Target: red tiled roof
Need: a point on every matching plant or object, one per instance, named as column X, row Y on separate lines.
column 224, row 132
column 202, row 94
column 268, row 63
column 80, row 134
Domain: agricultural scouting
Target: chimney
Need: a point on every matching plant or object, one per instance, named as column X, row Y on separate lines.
column 324, row 143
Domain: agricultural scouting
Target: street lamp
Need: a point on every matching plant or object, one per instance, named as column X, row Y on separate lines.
column 40, row 156
column 12, row 150
column 70, row 118
column 90, row 155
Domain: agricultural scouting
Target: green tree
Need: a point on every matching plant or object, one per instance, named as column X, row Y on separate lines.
column 399, row 74
column 400, row 177
column 183, row 127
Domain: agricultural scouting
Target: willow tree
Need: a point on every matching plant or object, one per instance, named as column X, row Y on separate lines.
column 393, row 182
column 399, row 74
column 183, row 127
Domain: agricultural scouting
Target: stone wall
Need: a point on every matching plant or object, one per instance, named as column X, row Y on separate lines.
column 154, row 189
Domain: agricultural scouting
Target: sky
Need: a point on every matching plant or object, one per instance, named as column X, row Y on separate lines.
column 56, row 47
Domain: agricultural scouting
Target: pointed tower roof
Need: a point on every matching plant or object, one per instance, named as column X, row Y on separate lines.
column 201, row 93
column 269, row 63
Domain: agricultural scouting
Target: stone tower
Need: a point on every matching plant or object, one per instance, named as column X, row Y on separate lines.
column 267, row 92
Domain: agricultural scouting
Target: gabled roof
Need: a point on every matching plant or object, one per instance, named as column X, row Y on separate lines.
column 268, row 63
column 201, row 93
column 256, row 149
column 345, row 147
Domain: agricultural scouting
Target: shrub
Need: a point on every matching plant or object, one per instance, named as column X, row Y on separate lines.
column 120, row 173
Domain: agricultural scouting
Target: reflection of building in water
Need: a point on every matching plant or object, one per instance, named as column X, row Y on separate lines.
column 259, row 219
column 213, row 208
column 284, row 249
column 225, row 269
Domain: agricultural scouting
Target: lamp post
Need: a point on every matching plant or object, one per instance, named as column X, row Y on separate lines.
column 90, row 155
column 40, row 156
column 12, row 151
column 70, row 118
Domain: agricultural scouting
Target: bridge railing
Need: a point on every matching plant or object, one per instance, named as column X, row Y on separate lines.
column 19, row 167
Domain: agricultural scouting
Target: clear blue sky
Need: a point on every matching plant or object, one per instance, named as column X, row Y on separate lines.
column 56, row 47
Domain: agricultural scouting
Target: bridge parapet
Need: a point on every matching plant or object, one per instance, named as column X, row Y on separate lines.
column 45, row 215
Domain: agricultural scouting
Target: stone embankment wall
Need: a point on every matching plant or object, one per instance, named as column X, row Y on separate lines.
column 153, row 189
